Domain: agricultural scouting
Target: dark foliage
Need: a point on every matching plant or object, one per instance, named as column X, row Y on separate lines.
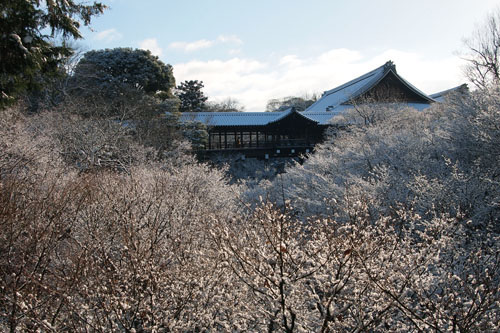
column 27, row 55
column 113, row 72
column 191, row 95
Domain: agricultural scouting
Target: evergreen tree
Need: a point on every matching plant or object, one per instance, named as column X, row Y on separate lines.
column 27, row 54
column 191, row 96
column 114, row 71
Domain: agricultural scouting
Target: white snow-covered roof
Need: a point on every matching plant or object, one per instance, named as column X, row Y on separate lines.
column 231, row 118
column 343, row 94
column 335, row 97
column 439, row 96
column 332, row 103
column 238, row 118
column 325, row 117
column 265, row 118
column 289, row 111
column 256, row 118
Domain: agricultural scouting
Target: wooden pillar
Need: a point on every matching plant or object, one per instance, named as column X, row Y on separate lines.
column 209, row 140
column 250, row 137
column 241, row 139
column 220, row 140
column 225, row 140
column 257, row 139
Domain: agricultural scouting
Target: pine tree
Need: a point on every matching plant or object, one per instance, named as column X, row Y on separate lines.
column 191, row 96
column 27, row 53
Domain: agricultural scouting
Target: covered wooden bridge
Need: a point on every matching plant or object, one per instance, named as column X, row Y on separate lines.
column 289, row 132
column 260, row 134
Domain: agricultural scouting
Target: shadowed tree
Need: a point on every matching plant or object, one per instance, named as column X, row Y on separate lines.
column 26, row 51
column 191, row 95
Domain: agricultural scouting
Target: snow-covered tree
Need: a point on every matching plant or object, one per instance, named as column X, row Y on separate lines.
column 426, row 182
column 299, row 103
column 226, row 105
column 392, row 225
column 104, row 250
column 359, row 274
column 113, row 72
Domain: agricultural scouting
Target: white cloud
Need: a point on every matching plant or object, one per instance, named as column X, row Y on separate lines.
column 233, row 39
column 151, row 44
column 339, row 56
column 204, row 43
column 429, row 75
column 290, row 61
column 254, row 82
column 108, row 35
column 193, row 46
column 234, row 52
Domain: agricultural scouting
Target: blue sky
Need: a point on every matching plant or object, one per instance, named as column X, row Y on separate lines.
column 257, row 50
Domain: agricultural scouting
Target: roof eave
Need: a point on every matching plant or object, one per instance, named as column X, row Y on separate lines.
column 290, row 112
column 388, row 70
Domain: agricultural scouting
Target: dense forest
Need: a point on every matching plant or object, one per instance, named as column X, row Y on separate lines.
column 109, row 221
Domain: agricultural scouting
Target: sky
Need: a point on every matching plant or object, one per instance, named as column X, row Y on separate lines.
column 253, row 51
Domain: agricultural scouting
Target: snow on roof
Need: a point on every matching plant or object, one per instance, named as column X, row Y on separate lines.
column 439, row 96
column 334, row 98
column 325, row 117
column 332, row 103
column 265, row 118
column 231, row 118
column 289, row 111
column 282, row 115
column 240, row 118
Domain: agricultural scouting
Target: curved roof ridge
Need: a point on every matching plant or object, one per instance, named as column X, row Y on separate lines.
column 370, row 84
column 414, row 89
column 387, row 71
column 342, row 94
column 370, row 77
column 356, row 80
column 289, row 111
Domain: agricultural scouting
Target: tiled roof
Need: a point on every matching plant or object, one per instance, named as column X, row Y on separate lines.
column 240, row 118
column 334, row 98
column 325, row 117
column 264, row 118
column 332, row 103
column 289, row 111
column 231, row 118
column 439, row 96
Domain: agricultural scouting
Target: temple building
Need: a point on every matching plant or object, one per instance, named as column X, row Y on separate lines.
column 290, row 132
